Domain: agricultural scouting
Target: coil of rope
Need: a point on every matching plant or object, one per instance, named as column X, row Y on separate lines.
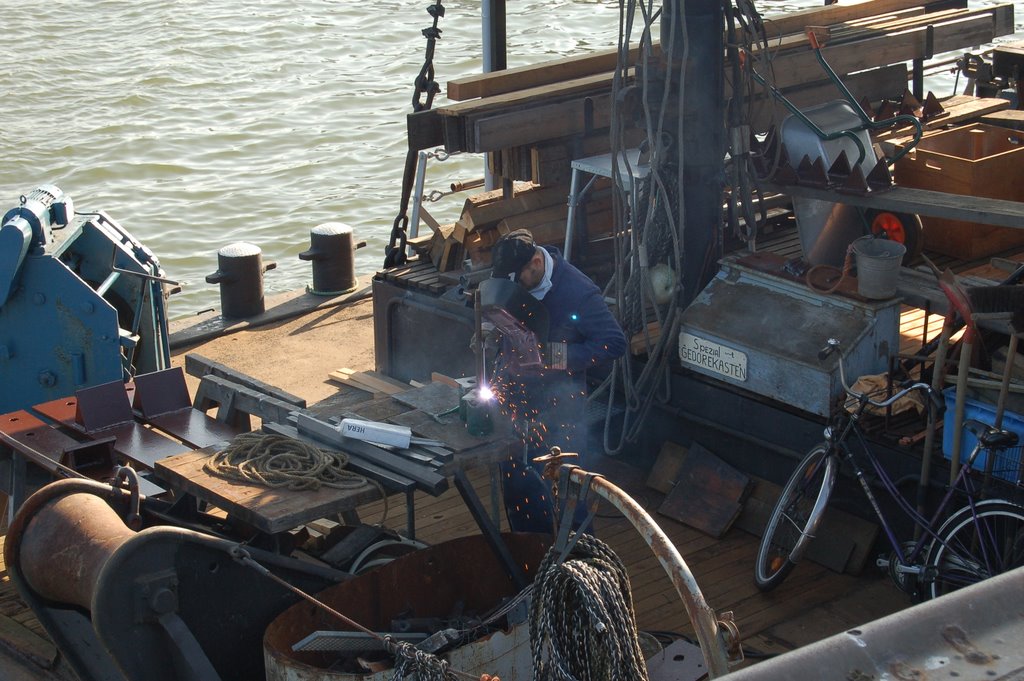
column 282, row 462
column 582, row 624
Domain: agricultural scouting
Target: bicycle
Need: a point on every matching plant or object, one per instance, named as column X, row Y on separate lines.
column 983, row 538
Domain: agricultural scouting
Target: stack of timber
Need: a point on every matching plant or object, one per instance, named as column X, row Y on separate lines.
column 532, row 121
column 518, row 112
column 487, row 216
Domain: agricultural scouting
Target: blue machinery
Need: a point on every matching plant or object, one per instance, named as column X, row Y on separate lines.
column 81, row 302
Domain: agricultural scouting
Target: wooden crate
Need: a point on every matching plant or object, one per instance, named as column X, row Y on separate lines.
column 974, row 160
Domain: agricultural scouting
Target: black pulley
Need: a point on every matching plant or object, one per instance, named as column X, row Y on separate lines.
column 332, row 253
column 239, row 272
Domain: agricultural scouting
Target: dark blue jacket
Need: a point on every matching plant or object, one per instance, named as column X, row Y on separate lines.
column 579, row 317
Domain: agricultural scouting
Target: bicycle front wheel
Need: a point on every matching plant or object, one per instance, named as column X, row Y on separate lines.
column 970, row 547
column 795, row 518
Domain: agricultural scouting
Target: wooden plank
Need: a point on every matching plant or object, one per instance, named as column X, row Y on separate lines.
column 795, row 22
column 553, row 71
column 526, row 96
column 370, row 381
column 923, row 202
column 665, row 470
column 19, row 638
column 793, row 68
column 492, row 132
column 486, row 210
column 271, row 510
column 1009, row 118
column 527, row 126
column 708, row 493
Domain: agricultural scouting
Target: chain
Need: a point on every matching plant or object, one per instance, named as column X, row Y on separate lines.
column 422, row 99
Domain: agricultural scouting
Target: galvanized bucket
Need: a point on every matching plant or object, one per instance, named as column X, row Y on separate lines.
column 878, row 266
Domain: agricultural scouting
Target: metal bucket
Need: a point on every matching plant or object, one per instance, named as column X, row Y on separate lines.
column 878, row 266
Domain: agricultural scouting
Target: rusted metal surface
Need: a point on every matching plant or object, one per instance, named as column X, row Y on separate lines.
column 48, row 447
column 86, row 529
column 132, row 440
column 428, row 583
column 715, row 639
column 974, row 633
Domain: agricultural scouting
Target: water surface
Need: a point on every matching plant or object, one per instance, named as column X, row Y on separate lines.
column 197, row 123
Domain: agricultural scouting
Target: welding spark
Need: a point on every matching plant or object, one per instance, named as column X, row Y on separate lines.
column 485, row 393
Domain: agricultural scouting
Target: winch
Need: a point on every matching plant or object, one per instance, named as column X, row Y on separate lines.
column 82, row 302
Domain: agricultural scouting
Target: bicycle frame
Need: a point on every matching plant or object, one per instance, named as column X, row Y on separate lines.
column 839, row 447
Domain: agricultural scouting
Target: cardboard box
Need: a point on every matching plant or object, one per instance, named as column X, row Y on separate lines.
column 974, row 160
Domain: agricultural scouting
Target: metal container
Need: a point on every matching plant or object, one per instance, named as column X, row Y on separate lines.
column 762, row 333
column 462, row 574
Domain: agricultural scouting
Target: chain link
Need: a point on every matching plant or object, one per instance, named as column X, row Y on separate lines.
column 425, row 87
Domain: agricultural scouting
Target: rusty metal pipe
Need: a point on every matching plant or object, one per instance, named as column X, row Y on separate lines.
column 703, row 618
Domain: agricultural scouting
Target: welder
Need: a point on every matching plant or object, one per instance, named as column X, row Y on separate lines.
column 547, row 403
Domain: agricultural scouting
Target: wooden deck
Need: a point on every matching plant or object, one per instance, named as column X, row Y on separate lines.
column 812, row 604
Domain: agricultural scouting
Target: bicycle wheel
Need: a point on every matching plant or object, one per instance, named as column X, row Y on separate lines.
column 971, row 547
column 795, row 518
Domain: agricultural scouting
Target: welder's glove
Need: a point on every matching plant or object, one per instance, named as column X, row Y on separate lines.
column 556, row 355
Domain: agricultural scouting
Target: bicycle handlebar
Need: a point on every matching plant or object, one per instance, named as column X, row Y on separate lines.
column 833, row 345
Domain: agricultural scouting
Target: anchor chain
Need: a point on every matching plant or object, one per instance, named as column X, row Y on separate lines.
column 422, row 99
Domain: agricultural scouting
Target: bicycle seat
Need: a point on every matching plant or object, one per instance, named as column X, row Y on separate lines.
column 990, row 437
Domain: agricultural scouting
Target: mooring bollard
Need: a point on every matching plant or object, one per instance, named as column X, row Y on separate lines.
column 240, row 269
column 333, row 255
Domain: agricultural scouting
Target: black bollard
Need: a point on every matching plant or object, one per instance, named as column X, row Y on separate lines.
column 333, row 254
column 239, row 272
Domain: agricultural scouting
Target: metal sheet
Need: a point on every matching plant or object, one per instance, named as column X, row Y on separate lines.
column 161, row 392
column 973, row 633
column 436, row 399
column 195, row 427
column 132, row 440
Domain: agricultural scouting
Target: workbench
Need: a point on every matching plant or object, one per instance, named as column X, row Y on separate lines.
column 151, row 426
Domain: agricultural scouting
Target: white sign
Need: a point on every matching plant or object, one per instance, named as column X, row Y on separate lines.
column 712, row 356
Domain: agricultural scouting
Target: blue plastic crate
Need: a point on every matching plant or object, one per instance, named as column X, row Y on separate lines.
column 1007, row 463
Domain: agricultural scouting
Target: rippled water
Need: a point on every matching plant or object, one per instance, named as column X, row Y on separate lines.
column 197, row 123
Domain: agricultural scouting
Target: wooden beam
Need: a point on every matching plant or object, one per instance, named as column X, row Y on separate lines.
column 553, row 71
column 535, row 75
column 479, row 129
column 923, row 202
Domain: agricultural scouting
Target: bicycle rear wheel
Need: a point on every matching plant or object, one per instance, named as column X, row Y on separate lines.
column 795, row 517
column 971, row 547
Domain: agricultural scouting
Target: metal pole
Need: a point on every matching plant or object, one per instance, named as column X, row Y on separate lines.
column 493, row 45
column 712, row 638
column 698, row 30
